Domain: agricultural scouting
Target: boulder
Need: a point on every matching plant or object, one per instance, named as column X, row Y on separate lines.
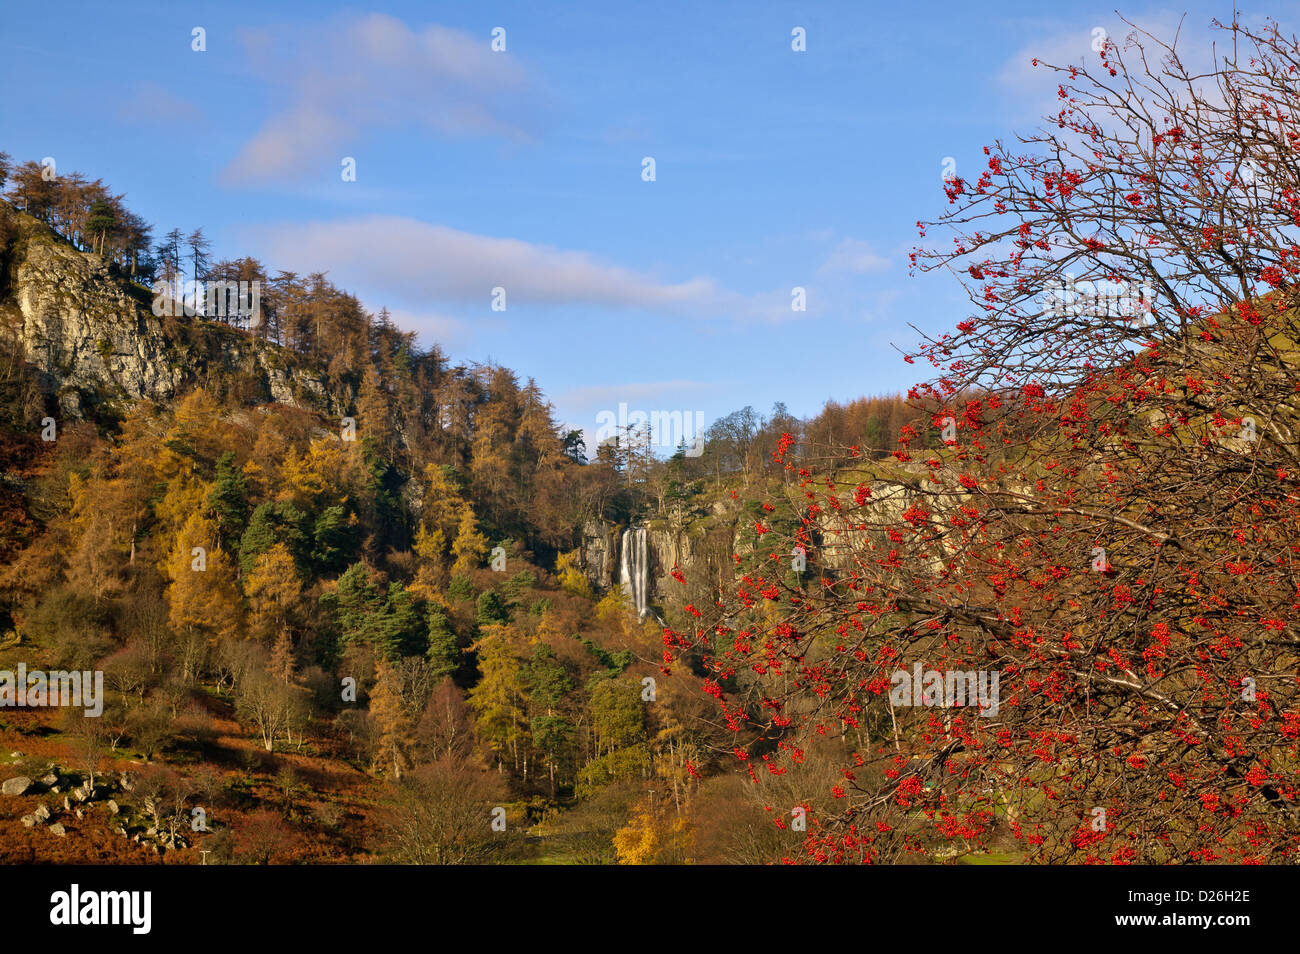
column 50, row 780
column 57, row 829
column 16, row 785
column 112, row 807
column 29, row 821
column 67, row 804
column 42, row 812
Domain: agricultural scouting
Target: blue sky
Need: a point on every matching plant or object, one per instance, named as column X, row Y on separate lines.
column 522, row 169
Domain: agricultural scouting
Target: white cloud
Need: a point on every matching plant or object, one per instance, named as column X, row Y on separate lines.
column 409, row 261
column 855, row 256
column 448, row 331
column 417, row 261
column 1033, row 88
column 332, row 85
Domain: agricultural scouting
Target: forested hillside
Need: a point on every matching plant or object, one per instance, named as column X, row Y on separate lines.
column 351, row 623
column 355, row 602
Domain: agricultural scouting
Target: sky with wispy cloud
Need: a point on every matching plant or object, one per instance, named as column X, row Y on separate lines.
column 522, row 169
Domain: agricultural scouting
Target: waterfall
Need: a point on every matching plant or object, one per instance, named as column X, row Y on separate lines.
column 634, row 568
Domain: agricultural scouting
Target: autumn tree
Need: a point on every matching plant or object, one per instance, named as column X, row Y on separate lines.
column 274, row 594
column 470, row 545
column 262, row 838
column 202, row 593
column 446, row 727
column 149, row 726
column 653, row 835
column 441, row 814
column 393, row 720
column 498, row 696
column 273, row 706
column 166, row 794
column 1107, row 530
column 91, row 739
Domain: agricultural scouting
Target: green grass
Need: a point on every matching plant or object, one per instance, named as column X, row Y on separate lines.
column 992, row 858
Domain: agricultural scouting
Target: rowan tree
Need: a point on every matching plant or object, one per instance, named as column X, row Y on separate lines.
column 1106, row 519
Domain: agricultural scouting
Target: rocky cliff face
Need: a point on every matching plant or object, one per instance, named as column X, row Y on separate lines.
column 93, row 342
column 702, row 544
column 699, row 544
column 599, row 553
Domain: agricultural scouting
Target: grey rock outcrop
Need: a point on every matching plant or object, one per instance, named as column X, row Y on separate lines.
column 697, row 544
column 84, row 332
column 599, row 553
column 93, row 338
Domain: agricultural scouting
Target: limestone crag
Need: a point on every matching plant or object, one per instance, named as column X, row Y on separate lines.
column 699, row 544
column 91, row 338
